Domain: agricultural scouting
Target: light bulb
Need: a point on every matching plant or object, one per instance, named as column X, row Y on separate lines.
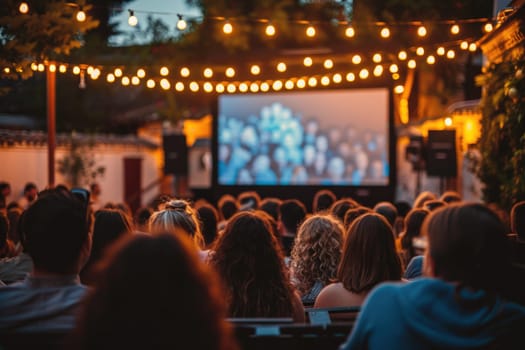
column 277, row 85
column 440, row 51
column 255, row 69
column 62, row 68
column 164, row 71
column 385, row 32
column 42, row 68
column 125, row 81
column 289, row 85
column 52, row 68
column 310, row 31
column 451, row 54
column 208, row 73
column 325, row 81
column 181, row 23
column 472, row 47
column 118, row 72
column 488, row 27
column 219, row 88
column 350, row 32
column 179, row 86
column 141, row 73
column 150, row 83
column 81, row 15
column 132, row 19
column 194, row 86
column 363, row 74
column 165, row 84
column 421, row 31
column 254, row 87
column 378, row 70
column 76, row 70
column 308, row 61
column 243, row 87
column 231, row 88
column 337, row 78
column 399, row 89
column 402, row 55
column 448, row 121
column 110, row 78
column 464, row 45
column 431, row 59
column 393, row 68
column 135, row 81
column 350, row 77
column 454, row 29
column 377, row 58
column 227, row 28
column 23, row 8
column 264, row 86
column 356, row 59
column 230, row 72
column 281, row 67
column 328, row 64
column 312, row 82
column 208, row 87
column 411, row 64
column 301, row 83
column 420, row 51
column 270, row 30
column 184, row 72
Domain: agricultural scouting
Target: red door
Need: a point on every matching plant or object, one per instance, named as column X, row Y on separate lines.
column 133, row 182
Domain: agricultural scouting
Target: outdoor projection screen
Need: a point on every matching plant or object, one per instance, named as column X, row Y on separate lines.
column 319, row 138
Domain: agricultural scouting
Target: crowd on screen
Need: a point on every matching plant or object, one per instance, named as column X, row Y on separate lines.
column 438, row 273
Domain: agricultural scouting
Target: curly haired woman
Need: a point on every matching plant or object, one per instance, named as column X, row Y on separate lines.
column 316, row 255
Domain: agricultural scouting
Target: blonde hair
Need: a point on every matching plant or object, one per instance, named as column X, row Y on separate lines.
column 177, row 217
column 317, row 251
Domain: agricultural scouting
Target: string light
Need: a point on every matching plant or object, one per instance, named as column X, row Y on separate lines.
column 350, row 77
column 464, row 45
column 34, row 66
column 164, row 71
column 277, row 85
column 165, row 84
column 378, row 70
column 395, row 76
column 488, row 27
column 52, row 68
column 141, row 73
column 208, row 73
column 377, row 58
column 402, row 55
column 243, row 87
column 62, row 68
column 110, row 78
column 231, row 88
column 255, row 69
column 308, row 62
column 230, row 72
column 227, row 28
column 179, row 86
column 181, row 23
column 411, row 64
column 135, row 81
column 337, row 78
column 451, row 54
column 81, row 15
column 328, row 64
column 281, row 67
column 399, row 89
column 95, row 74
column 184, row 72
column 356, row 59
column 254, row 87
column 448, row 121
column 132, row 19
column 118, row 72
column 289, row 85
column 301, row 84
column 454, row 29
column 325, row 81
column 41, row 67
column 270, row 30
column 194, row 86
column 89, row 70
column 421, row 31
column 76, row 71
column 363, row 74
column 125, row 81
column 310, row 31
column 312, row 82
column 350, row 32
column 7, row 70
column 385, row 33
column 393, row 68
column 472, row 47
column 420, row 51
column 431, row 59
column 440, row 51
column 23, row 8
column 219, row 88
column 150, row 83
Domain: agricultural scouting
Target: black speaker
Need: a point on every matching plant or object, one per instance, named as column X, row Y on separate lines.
column 441, row 153
column 175, row 154
column 415, row 152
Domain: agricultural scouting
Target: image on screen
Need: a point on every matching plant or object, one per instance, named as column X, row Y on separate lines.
column 334, row 137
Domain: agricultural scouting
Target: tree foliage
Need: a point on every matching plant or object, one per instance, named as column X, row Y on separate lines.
column 502, row 142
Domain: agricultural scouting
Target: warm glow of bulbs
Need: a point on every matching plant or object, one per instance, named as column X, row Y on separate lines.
column 399, row 89
column 135, row 81
column 378, row 70
column 385, row 33
column 76, row 71
column 325, row 81
column 420, row 51
column 464, row 45
column 277, row 85
column 377, row 58
column 356, row 59
column 165, row 84
column 289, row 85
column 150, row 83
column 440, row 51
column 133, row 20
column 219, row 88
column 431, row 59
column 328, row 64
column 421, row 31
column 208, row 73
column 308, row 61
column 254, row 87
column 125, row 81
column 141, row 73
column 350, row 77
column 95, row 74
column 110, row 78
column 89, row 70
column 270, row 30
column 243, row 87
column 454, row 29
column 337, row 78
column 227, row 28
column 194, row 86
column 81, row 16
column 179, row 86
column 230, row 72
column 255, row 69
column 395, row 76
column 402, row 55
column 350, row 32
column 52, row 68
column 393, row 68
column 118, row 72
column 411, row 64
column 42, row 68
column 231, row 88
column 34, row 66
column 310, row 32
column 448, row 121
column 164, row 71
column 472, row 47
column 451, row 54
column 184, row 72
column 23, row 8
column 488, row 27
column 363, row 74
column 312, row 82
column 182, row 24
column 281, row 67
column 301, row 83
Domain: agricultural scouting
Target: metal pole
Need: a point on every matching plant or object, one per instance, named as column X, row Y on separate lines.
column 51, row 125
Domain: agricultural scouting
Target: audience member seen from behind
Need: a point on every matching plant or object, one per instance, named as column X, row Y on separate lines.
column 461, row 306
column 340, row 207
column 388, row 210
column 353, row 214
column 228, row 206
column 251, row 266
column 141, row 219
column 29, row 196
column 249, row 200
column 316, row 255
column 434, row 204
column 291, row 214
column 17, row 268
column 208, row 220
column 369, row 258
column 409, row 243
column 271, row 207
column 450, row 197
column 422, row 198
column 175, row 302
column 110, row 224
column 56, row 236
column 323, row 200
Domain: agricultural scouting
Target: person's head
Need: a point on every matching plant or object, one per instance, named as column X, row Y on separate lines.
column 434, row 204
column 95, row 189
column 340, row 207
column 352, row 214
column 271, row 205
column 467, row 246
column 109, row 225
column 291, row 214
column 388, row 210
column 413, row 223
column 56, row 233
column 227, row 206
column 124, row 207
column 517, row 219
column 422, row 198
column 5, row 189
column 316, row 251
column 176, row 301
column 323, row 200
column 251, row 265
column 249, row 200
column 142, row 218
column 208, row 219
column 450, row 197
column 178, row 218
column 403, row 208
column 369, row 254
column 30, row 191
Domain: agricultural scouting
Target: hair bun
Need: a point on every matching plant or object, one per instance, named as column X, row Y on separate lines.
column 178, row 205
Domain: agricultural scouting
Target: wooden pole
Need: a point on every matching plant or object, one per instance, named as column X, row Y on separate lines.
column 51, row 125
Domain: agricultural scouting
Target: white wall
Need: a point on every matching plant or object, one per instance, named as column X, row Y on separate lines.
column 22, row 164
